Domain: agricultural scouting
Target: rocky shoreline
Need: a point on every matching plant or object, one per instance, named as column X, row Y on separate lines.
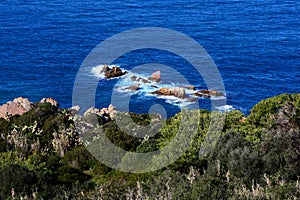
column 20, row 106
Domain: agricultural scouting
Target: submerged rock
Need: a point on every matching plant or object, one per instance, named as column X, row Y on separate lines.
column 139, row 79
column 209, row 93
column 154, row 86
column 190, row 87
column 153, row 79
column 133, row 87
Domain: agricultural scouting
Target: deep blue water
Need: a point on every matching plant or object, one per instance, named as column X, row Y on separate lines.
column 255, row 44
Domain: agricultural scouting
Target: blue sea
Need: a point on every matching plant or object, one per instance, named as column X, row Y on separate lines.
column 255, row 44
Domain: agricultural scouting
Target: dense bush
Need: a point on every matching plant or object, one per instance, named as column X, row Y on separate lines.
column 16, row 179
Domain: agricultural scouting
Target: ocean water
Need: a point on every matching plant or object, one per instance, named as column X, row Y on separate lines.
column 255, row 45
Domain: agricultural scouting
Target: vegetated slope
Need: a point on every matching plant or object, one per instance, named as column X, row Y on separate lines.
column 253, row 157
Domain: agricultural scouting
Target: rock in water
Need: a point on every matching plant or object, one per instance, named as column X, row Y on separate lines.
column 190, row 87
column 133, row 87
column 139, row 79
column 18, row 106
column 209, row 93
column 104, row 69
column 114, row 72
column 176, row 92
column 155, row 77
column 133, row 78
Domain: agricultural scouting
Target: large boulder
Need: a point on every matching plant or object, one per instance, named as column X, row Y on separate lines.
column 18, row 106
column 176, row 92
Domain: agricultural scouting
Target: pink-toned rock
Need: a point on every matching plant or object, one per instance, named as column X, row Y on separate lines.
column 18, row 106
column 24, row 102
column 155, row 77
column 53, row 102
column 177, row 92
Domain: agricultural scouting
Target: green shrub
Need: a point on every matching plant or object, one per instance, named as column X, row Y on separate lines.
column 21, row 179
column 80, row 158
column 70, row 176
column 261, row 113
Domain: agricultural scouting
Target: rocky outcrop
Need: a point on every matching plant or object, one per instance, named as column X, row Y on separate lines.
column 209, row 93
column 155, row 77
column 176, row 92
column 18, row 106
column 53, row 102
column 112, row 72
column 75, row 108
column 105, row 114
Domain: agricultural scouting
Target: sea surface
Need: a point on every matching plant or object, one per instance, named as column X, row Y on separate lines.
column 255, row 44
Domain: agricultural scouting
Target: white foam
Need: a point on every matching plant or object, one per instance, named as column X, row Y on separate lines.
column 122, row 89
column 217, row 98
column 173, row 100
column 225, row 108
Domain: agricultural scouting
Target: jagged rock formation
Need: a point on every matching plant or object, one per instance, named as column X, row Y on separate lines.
column 18, row 106
column 105, row 113
column 112, row 72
